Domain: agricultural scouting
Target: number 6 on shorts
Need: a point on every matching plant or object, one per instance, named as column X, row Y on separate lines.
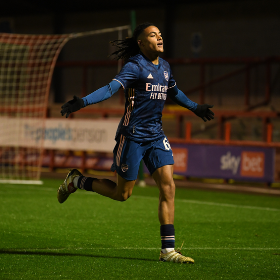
column 166, row 144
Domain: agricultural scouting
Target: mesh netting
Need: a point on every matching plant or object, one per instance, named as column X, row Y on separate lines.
column 26, row 67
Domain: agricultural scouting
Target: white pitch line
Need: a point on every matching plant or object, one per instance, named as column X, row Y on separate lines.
column 195, row 248
column 216, row 204
column 177, row 199
column 231, row 205
column 133, row 248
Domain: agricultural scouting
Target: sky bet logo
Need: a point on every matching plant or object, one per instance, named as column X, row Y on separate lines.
column 252, row 163
column 157, row 91
column 229, row 162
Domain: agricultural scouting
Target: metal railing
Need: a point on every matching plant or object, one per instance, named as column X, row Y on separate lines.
column 246, row 67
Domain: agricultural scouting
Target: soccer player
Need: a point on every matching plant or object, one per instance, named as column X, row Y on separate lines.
column 147, row 80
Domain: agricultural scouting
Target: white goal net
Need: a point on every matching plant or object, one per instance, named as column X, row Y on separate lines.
column 26, row 67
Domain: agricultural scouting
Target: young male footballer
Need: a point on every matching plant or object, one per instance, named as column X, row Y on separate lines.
column 147, row 81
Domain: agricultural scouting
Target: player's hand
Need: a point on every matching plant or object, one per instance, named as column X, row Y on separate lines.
column 72, row 106
column 204, row 112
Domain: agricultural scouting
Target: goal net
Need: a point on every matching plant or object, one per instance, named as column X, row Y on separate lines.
column 26, row 67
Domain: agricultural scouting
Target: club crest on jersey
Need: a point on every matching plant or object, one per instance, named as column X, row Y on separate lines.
column 166, row 75
column 124, row 167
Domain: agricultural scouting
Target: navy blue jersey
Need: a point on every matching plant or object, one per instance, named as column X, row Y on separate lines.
column 146, row 88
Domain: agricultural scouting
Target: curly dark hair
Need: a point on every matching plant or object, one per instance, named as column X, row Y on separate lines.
column 129, row 46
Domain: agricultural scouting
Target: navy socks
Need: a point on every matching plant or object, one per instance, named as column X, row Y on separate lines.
column 85, row 183
column 167, row 233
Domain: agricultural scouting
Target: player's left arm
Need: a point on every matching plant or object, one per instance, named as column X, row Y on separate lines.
column 203, row 111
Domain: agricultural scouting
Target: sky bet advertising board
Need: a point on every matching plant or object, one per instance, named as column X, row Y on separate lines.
column 228, row 162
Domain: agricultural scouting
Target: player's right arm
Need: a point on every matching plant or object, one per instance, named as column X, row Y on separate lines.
column 95, row 97
column 127, row 75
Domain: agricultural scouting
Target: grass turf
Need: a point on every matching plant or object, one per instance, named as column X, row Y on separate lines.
column 230, row 236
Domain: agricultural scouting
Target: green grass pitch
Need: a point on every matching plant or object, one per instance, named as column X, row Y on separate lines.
column 229, row 235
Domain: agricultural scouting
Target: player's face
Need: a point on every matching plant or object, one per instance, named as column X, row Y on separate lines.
column 150, row 40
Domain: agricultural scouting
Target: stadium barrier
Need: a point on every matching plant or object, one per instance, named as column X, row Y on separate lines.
column 224, row 127
column 240, row 163
column 222, row 157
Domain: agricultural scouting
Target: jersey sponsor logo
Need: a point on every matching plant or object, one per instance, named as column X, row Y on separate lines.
column 158, row 87
column 158, row 95
column 157, row 91
column 150, row 76
column 124, row 167
column 165, row 75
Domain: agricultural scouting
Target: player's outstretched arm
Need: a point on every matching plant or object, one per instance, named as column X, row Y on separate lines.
column 181, row 99
column 204, row 112
column 72, row 106
column 97, row 96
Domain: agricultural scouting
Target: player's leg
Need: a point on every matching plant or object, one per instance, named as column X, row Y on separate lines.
column 120, row 191
column 127, row 157
column 159, row 160
column 163, row 177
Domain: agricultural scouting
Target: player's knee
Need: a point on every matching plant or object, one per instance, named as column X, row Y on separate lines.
column 168, row 191
column 124, row 189
column 123, row 196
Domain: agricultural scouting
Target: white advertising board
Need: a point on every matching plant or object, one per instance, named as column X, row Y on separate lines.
column 61, row 134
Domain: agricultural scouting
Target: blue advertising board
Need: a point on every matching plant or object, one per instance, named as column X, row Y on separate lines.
column 227, row 162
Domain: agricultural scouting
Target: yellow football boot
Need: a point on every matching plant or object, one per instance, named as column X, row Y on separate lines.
column 67, row 187
column 174, row 256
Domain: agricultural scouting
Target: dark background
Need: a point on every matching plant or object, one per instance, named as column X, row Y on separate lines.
column 224, row 29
